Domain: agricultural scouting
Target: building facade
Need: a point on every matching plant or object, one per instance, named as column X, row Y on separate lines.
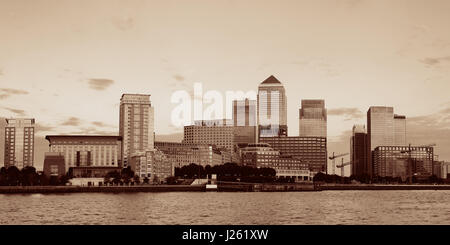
column 399, row 130
column 311, row 150
column 313, row 119
column 54, row 164
column 394, row 161
column 272, row 109
column 87, row 150
column 384, row 129
column 152, row 164
column 244, row 112
column 19, row 142
column 358, row 151
column 261, row 155
column 220, row 136
column 183, row 154
column 136, row 124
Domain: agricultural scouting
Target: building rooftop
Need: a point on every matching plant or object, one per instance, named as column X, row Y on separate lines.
column 271, row 80
column 47, row 137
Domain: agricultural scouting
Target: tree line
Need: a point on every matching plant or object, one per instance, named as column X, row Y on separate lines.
column 227, row 172
column 28, row 176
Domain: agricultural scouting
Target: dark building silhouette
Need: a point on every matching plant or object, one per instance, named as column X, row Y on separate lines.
column 54, row 164
column 358, row 151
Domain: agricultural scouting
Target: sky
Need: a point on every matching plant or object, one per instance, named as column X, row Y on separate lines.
column 67, row 63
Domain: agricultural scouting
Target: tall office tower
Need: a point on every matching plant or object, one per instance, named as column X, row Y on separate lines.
column 244, row 121
column 272, row 108
column 19, row 142
column 399, row 130
column 313, row 119
column 136, row 125
column 244, row 112
column 358, row 151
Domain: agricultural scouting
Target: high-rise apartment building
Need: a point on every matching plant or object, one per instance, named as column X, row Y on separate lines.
column 384, row 129
column 19, row 142
column 136, row 125
column 358, row 151
column 272, row 109
column 313, row 119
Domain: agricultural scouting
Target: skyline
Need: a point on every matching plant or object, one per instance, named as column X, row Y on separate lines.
column 55, row 55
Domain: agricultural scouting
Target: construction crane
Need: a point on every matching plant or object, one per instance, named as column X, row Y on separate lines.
column 333, row 157
column 342, row 165
column 410, row 174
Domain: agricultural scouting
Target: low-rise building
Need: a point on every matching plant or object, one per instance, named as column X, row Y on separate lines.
column 54, row 164
column 152, row 164
column 311, row 150
column 183, row 154
column 87, row 150
column 262, row 155
column 396, row 161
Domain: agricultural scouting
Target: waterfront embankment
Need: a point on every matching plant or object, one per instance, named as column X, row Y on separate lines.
column 105, row 189
column 221, row 187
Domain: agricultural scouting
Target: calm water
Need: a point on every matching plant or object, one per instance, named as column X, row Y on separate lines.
column 326, row 207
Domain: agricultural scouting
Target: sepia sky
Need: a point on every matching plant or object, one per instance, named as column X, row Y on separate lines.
column 66, row 63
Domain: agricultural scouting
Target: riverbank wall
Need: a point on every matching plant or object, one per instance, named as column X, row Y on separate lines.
column 353, row 187
column 105, row 189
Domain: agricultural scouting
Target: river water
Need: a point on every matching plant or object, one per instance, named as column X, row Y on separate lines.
column 229, row 208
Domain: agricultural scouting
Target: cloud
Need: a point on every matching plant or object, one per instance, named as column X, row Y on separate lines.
column 100, row 83
column 348, row 113
column 123, row 24
column 40, row 127
column 94, row 131
column 101, row 124
column 16, row 111
column 72, row 121
column 13, row 91
column 7, row 92
column 179, row 77
column 435, row 61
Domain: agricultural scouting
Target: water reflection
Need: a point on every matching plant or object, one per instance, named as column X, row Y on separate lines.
column 327, row 207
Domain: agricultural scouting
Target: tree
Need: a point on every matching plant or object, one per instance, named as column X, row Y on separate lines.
column 319, row 177
column 3, row 177
column 136, row 179
column 146, row 180
column 171, row 180
column 13, row 176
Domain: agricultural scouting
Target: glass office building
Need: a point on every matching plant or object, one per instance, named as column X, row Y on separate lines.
column 313, row 119
column 272, row 109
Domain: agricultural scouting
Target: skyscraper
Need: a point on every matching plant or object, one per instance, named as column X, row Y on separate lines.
column 244, row 121
column 136, row 125
column 358, row 151
column 384, row 129
column 19, row 142
column 313, row 119
column 244, row 112
column 399, row 130
column 272, row 108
